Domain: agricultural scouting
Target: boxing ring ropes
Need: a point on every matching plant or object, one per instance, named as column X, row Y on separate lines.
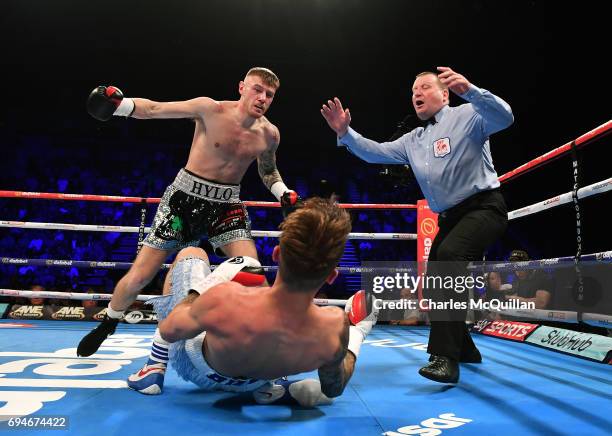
column 574, row 196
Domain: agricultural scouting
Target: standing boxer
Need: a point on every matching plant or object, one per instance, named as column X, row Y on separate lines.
column 204, row 198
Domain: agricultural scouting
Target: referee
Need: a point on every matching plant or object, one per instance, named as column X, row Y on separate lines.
column 451, row 160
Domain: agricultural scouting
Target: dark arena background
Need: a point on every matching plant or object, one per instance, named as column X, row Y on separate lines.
column 548, row 60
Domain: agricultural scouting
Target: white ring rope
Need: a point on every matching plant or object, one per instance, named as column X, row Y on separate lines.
column 105, row 297
column 134, row 229
column 587, row 191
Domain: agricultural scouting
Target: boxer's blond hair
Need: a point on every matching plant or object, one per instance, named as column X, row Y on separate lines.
column 268, row 76
column 312, row 243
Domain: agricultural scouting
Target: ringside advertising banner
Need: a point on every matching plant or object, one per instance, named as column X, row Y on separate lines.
column 18, row 311
column 513, row 330
column 587, row 345
column 77, row 313
column 480, row 325
column 427, row 228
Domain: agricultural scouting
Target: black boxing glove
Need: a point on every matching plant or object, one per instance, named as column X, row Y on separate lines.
column 290, row 201
column 288, row 198
column 106, row 101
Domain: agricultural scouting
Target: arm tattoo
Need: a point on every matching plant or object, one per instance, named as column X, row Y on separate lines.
column 334, row 375
column 266, row 166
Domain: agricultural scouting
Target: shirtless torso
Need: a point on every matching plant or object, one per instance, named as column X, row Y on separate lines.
column 223, row 148
column 260, row 333
column 228, row 136
column 254, row 332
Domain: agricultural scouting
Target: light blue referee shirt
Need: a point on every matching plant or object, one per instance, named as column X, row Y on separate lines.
column 451, row 159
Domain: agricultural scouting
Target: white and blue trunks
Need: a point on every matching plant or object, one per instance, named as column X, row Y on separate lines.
column 186, row 356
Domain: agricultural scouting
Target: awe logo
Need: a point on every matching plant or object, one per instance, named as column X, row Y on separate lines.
column 27, row 311
column 69, row 313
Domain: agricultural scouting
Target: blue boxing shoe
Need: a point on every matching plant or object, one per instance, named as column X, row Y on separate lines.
column 149, row 380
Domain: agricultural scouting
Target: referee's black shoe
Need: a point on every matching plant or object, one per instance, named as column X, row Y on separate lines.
column 441, row 369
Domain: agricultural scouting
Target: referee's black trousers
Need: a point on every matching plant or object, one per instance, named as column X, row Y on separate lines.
column 465, row 232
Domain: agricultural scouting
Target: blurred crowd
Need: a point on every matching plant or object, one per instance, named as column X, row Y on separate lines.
column 91, row 170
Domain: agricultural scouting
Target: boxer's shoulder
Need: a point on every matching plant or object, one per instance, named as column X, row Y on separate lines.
column 234, row 295
column 269, row 129
column 224, row 108
column 335, row 322
column 332, row 313
column 217, row 296
column 206, row 105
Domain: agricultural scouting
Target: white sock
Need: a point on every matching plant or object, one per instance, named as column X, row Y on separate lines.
column 114, row 314
column 159, row 349
column 308, row 393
